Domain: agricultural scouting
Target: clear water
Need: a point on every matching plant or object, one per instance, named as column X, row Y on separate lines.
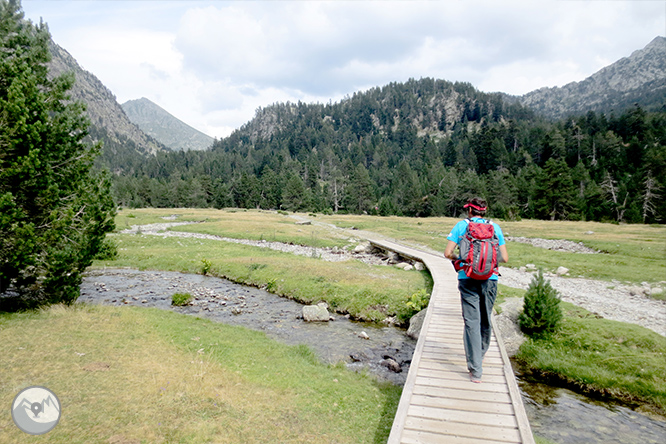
column 564, row 417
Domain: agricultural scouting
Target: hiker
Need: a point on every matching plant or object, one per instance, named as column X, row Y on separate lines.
column 478, row 287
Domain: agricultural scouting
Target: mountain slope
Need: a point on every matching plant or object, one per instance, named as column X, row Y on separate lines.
column 158, row 123
column 639, row 78
column 108, row 120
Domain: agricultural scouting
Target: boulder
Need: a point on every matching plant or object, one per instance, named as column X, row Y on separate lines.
column 405, row 266
column 364, row 248
column 363, row 335
column 415, row 324
column 419, row 266
column 393, row 257
column 391, row 364
column 655, row 291
column 636, row 291
column 507, row 323
column 315, row 313
column 561, row 271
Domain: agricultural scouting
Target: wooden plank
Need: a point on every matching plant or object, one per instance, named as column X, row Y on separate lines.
column 472, row 418
column 458, row 356
column 459, row 375
column 468, row 385
column 460, row 430
column 419, row 437
column 462, row 404
column 450, row 366
column 521, row 414
column 461, row 393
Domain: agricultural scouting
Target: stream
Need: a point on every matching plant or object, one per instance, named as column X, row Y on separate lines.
column 556, row 414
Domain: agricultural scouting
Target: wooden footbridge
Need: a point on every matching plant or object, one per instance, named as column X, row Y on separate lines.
column 439, row 403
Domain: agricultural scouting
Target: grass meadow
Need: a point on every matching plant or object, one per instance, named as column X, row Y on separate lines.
column 139, row 375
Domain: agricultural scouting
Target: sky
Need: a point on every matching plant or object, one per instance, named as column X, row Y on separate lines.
column 212, row 64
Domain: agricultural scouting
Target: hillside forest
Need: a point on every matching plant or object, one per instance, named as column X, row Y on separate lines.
column 419, row 148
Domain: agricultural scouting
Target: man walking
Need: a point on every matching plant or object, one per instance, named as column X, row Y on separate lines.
column 477, row 295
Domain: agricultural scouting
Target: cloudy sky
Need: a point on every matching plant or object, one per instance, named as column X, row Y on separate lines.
column 213, row 63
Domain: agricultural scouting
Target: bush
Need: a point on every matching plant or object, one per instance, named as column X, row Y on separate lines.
column 206, row 265
column 414, row 304
column 108, row 251
column 542, row 313
column 181, row 299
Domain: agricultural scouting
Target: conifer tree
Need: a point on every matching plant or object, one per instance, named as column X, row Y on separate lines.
column 541, row 313
column 54, row 210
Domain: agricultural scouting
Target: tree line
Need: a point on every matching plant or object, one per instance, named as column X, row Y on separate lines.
column 421, row 149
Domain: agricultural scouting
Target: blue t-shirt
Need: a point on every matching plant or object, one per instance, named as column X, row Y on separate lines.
column 459, row 231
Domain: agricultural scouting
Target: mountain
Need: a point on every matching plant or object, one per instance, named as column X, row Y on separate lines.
column 639, row 78
column 164, row 127
column 398, row 111
column 109, row 123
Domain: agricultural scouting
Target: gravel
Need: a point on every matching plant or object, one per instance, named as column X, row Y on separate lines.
column 328, row 254
column 608, row 300
column 554, row 244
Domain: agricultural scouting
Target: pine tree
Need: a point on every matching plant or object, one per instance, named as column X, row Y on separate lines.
column 541, row 313
column 54, row 210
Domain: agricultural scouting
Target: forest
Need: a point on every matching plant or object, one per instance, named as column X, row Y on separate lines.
column 419, row 148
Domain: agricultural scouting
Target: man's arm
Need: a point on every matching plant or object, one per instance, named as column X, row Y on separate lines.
column 503, row 252
column 449, row 251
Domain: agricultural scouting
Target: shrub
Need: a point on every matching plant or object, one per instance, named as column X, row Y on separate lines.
column 181, row 299
column 541, row 313
column 108, row 251
column 206, row 265
column 414, row 304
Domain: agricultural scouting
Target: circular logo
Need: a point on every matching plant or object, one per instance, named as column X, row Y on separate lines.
column 36, row 410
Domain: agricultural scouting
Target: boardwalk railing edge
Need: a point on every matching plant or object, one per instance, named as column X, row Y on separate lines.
column 431, row 261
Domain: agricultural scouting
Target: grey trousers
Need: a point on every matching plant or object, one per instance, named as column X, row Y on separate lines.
column 477, row 299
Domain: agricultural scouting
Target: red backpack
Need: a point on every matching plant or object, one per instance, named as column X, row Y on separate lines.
column 479, row 249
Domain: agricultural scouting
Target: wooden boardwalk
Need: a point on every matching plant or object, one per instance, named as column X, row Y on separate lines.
column 439, row 403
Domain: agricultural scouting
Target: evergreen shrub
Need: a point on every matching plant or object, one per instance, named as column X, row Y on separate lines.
column 541, row 313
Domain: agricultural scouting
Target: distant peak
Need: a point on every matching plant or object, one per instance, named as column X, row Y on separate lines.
column 656, row 42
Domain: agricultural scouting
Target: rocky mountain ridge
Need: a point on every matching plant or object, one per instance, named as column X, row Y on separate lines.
column 109, row 122
column 435, row 107
column 639, row 78
column 164, row 127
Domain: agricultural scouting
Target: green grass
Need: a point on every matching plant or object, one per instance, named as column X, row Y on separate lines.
column 152, row 376
column 237, row 224
column 631, row 253
column 602, row 357
column 349, row 287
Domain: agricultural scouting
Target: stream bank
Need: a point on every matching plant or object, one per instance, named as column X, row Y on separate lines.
column 340, row 340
